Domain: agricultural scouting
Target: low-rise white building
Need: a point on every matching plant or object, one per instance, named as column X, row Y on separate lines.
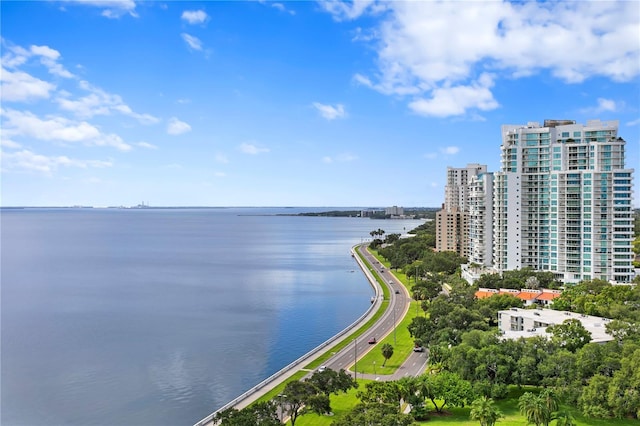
column 516, row 322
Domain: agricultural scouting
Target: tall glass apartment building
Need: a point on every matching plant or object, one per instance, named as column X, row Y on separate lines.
column 562, row 201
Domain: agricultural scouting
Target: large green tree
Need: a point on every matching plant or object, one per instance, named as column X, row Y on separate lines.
column 449, row 389
column 570, row 335
column 372, row 414
column 258, row 414
column 330, row 381
column 624, row 389
column 298, row 394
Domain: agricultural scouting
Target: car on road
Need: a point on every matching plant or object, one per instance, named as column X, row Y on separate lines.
column 322, row 368
column 373, row 341
column 418, row 349
column 397, row 291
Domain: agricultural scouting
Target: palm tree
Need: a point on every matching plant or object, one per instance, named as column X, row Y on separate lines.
column 538, row 409
column 532, row 408
column 550, row 401
column 485, row 411
column 387, row 352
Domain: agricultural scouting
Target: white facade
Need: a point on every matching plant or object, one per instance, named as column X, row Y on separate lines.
column 481, row 219
column 456, row 191
column 394, row 211
column 452, row 222
column 563, row 201
column 516, row 322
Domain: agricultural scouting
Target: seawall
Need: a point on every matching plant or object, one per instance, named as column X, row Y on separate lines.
column 277, row 378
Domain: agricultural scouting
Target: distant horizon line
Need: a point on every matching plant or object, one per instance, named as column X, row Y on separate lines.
column 146, row 206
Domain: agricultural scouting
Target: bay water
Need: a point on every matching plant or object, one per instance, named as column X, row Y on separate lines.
column 161, row 316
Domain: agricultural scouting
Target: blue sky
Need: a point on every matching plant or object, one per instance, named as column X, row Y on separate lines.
column 255, row 103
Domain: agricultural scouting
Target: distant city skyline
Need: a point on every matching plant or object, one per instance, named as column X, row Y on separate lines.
column 258, row 103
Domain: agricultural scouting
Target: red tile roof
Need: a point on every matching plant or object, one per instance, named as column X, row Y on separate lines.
column 548, row 296
column 527, row 295
column 484, row 294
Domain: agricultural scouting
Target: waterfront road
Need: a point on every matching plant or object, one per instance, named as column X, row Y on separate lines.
column 347, row 357
column 399, row 302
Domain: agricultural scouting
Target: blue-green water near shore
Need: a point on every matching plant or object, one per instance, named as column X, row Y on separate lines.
column 158, row 317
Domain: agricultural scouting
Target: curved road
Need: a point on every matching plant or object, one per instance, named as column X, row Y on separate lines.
column 346, row 358
column 398, row 305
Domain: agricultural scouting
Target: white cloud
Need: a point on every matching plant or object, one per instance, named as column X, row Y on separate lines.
column 604, row 105
column 45, row 52
column 99, row 102
column 330, row 112
column 430, row 155
column 194, row 17
column 449, row 101
column 341, row 158
column 252, row 149
column 342, row 11
column 8, row 143
column 450, row 150
column 49, row 58
column 177, row 127
column 58, row 129
column 634, row 122
column 282, row 8
column 20, row 86
column 193, row 42
column 220, row 174
column 434, row 50
column 221, row 158
column 112, row 9
column 16, row 56
column 146, row 145
column 26, row 160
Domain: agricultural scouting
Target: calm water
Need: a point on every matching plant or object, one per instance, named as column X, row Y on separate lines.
column 158, row 317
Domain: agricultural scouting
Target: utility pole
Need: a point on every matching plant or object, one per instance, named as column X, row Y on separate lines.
column 355, row 359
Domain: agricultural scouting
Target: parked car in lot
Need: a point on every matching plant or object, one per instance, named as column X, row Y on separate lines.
column 372, row 341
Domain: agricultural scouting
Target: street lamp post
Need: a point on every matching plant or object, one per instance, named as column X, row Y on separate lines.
column 374, row 368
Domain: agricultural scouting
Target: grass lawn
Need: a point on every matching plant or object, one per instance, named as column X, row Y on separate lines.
column 342, row 403
column 371, row 363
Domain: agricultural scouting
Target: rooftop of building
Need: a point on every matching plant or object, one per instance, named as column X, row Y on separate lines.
column 594, row 325
column 523, row 294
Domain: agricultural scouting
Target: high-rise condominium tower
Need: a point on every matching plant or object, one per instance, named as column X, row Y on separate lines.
column 563, row 201
column 481, row 219
column 452, row 222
